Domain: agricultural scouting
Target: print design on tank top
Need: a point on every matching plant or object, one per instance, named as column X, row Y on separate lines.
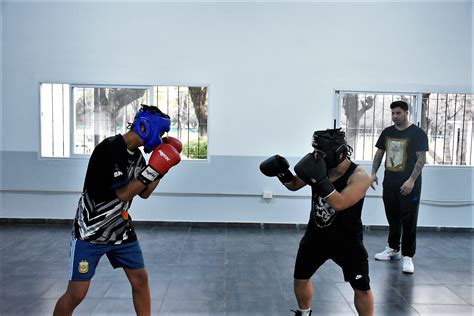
column 323, row 213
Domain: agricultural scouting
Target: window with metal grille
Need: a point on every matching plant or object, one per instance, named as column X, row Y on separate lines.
column 75, row 118
column 446, row 118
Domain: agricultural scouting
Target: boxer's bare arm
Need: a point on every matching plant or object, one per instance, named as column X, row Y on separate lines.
column 295, row 184
column 356, row 188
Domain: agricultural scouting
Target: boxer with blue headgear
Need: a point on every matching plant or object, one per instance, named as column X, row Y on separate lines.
column 150, row 124
column 118, row 172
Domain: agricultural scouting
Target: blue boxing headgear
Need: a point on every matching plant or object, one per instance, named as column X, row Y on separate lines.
column 150, row 124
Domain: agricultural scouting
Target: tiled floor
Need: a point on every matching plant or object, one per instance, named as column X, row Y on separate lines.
column 232, row 271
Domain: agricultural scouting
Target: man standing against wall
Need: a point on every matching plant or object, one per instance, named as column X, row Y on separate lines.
column 406, row 146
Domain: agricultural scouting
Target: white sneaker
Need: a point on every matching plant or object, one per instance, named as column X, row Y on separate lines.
column 408, row 266
column 388, row 254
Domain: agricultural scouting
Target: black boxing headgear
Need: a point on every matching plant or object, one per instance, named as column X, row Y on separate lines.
column 331, row 143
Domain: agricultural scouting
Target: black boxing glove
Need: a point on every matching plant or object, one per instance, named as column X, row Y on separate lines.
column 277, row 166
column 312, row 170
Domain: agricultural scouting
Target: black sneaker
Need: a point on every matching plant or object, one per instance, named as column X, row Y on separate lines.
column 298, row 313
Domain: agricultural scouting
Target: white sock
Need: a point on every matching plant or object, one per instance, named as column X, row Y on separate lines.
column 305, row 312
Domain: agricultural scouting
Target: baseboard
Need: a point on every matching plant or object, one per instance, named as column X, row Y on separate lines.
column 35, row 221
column 69, row 222
column 425, row 228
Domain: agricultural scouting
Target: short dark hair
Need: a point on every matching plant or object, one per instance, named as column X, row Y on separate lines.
column 399, row 104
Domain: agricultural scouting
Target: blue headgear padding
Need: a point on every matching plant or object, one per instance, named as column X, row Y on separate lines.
column 154, row 122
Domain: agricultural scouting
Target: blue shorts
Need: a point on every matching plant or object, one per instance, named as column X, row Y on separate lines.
column 85, row 256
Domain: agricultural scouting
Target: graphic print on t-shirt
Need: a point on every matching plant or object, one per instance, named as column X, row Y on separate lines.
column 396, row 154
column 323, row 213
column 101, row 217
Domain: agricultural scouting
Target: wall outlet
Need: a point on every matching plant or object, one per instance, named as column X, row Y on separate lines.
column 267, row 194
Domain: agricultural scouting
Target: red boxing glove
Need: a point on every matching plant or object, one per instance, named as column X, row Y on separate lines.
column 176, row 143
column 161, row 160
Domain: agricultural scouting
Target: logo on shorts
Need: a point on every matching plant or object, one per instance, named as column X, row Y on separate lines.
column 358, row 277
column 83, row 266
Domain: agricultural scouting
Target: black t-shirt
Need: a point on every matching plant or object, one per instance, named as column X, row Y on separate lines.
column 99, row 213
column 326, row 220
column 400, row 151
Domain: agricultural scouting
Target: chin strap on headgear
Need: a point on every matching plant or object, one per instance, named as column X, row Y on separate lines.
column 331, row 143
column 150, row 124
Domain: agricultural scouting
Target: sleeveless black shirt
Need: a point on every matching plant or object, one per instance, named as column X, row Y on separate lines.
column 325, row 219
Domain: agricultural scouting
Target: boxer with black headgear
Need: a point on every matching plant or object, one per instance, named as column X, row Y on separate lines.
column 334, row 230
column 331, row 143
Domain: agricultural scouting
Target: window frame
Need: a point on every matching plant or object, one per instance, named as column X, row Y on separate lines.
column 70, row 108
column 414, row 117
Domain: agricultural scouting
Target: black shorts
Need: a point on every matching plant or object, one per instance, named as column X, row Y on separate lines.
column 349, row 254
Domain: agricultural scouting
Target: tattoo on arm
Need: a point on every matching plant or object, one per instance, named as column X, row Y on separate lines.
column 377, row 161
column 420, row 162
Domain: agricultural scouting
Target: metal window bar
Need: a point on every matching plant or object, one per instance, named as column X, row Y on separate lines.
column 115, row 117
column 462, row 134
column 426, row 109
column 199, row 138
column 52, row 120
column 84, row 122
column 445, row 123
column 466, row 104
column 454, row 156
column 373, row 125
column 64, row 118
column 436, row 125
column 363, row 130
column 179, row 101
column 355, row 109
column 189, row 115
column 126, row 116
column 167, row 99
column 472, row 134
column 463, row 131
column 383, row 110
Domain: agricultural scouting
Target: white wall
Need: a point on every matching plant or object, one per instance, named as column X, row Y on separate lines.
column 1, row 108
column 272, row 69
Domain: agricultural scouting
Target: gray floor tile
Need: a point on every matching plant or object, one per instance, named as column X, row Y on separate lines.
column 466, row 292
column 267, row 307
column 438, row 310
column 195, row 290
column 232, row 271
column 428, row 294
column 330, row 309
column 192, row 307
column 114, row 306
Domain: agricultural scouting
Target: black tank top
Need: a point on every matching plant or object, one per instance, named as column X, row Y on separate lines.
column 325, row 219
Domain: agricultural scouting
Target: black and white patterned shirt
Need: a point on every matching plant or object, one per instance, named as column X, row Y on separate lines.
column 99, row 212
